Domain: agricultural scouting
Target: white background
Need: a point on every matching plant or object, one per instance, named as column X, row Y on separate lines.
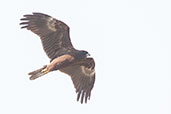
column 129, row 40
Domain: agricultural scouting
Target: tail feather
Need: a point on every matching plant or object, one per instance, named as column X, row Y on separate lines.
column 37, row 73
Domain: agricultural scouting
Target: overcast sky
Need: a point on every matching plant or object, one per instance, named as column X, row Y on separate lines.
column 130, row 41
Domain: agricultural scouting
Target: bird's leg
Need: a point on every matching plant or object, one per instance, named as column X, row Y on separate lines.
column 37, row 73
column 48, row 68
column 55, row 64
column 44, row 71
column 52, row 66
column 38, row 70
column 60, row 62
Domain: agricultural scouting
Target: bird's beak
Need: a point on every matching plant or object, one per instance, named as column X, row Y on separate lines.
column 88, row 55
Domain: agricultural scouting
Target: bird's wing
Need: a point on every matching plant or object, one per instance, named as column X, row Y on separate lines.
column 54, row 34
column 83, row 77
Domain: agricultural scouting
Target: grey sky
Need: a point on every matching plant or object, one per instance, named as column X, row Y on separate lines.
column 129, row 40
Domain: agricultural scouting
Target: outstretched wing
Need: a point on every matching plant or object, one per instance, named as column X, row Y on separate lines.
column 54, row 34
column 83, row 77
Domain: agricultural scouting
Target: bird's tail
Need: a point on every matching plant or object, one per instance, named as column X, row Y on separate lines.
column 38, row 73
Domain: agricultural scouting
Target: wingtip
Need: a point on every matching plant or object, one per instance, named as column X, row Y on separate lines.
column 24, row 23
column 23, row 27
column 23, row 19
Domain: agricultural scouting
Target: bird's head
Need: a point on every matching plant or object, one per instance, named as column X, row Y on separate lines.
column 81, row 54
column 84, row 53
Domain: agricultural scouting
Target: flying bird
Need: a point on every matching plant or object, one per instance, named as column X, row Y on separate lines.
column 56, row 42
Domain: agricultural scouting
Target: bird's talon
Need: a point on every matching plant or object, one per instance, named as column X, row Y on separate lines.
column 44, row 71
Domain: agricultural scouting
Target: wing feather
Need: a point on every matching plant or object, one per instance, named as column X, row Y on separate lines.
column 83, row 77
column 54, row 34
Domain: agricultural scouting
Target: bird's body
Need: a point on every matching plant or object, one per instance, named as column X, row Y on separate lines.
column 54, row 35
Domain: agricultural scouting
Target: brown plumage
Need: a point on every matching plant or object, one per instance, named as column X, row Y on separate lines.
column 55, row 38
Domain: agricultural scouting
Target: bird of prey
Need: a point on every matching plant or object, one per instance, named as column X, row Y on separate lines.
column 55, row 38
